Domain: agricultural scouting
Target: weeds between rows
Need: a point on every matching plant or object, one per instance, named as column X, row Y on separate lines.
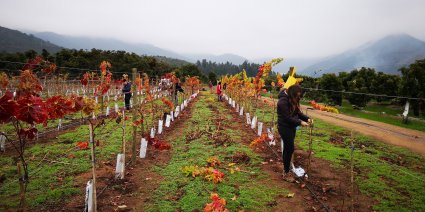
column 241, row 189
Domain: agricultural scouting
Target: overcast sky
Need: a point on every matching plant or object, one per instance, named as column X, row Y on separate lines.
column 253, row 29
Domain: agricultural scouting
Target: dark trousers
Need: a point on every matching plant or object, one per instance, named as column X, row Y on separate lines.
column 288, row 136
column 127, row 100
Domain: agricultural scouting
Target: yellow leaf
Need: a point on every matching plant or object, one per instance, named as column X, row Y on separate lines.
column 231, row 164
column 290, row 195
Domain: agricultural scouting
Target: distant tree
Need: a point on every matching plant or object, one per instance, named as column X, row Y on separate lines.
column 344, row 77
column 212, row 77
column 332, row 82
column 360, row 81
column 309, row 83
column 191, row 70
column 358, row 85
column 385, row 84
column 30, row 54
column 45, row 53
column 226, row 68
column 413, row 85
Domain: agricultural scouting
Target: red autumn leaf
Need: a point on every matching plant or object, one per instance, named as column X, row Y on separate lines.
column 7, row 107
column 102, row 88
column 85, row 80
column 29, row 83
column 58, row 106
column 162, row 146
column 49, row 67
column 263, row 138
column 104, row 66
column 158, row 144
column 138, row 122
column 83, row 145
column 167, row 102
column 218, row 204
column 29, row 133
column 32, row 63
column 77, row 103
column 31, row 109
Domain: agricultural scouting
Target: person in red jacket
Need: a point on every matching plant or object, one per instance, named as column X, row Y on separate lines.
column 219, row 91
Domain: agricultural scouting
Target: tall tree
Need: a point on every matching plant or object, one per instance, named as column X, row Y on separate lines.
column 413, row 85
column 332, row 82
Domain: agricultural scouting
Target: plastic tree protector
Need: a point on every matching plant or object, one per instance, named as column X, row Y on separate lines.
column 143, row 148
column 119, row 168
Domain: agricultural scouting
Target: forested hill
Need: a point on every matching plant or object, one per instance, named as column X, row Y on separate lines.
column 15, row 41
column 226, row 68
column 76, row 62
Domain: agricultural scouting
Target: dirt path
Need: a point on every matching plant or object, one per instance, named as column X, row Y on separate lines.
column 330, row 184
column 399, row 136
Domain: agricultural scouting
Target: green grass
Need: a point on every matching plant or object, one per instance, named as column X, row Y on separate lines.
column 52, row 183
column 374, row 112
column 177, row 191
column 394, row 187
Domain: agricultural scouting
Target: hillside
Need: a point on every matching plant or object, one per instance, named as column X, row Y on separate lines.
column 73, row 42
column 222, row 58
column 387, row 55
column 12, row 41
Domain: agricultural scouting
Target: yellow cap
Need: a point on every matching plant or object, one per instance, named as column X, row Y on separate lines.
column 291, row 79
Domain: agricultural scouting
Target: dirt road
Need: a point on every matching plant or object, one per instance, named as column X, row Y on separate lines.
column 411, row 139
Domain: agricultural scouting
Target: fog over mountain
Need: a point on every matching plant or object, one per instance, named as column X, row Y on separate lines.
column 387, row 55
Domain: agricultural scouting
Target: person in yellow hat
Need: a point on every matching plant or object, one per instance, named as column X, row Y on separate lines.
column 289, row 117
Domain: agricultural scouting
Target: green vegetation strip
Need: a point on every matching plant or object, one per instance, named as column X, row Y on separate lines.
column 177, row 191
column 374, row 113
column 52, row 180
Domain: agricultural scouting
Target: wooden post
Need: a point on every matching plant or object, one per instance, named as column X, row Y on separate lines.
column 135, row 102
column 123, row 132
column 21, row 187
column 352, row 172
column 93, row 162
column 310, row 147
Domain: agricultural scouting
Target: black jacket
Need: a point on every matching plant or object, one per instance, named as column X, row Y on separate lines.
column 127, row 88
column 284, row 118
column 178, row 89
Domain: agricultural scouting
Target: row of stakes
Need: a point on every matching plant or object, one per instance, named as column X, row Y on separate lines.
column 120, row 165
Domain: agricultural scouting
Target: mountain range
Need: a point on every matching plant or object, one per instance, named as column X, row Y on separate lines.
column 16, row 41
column 387, row 54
